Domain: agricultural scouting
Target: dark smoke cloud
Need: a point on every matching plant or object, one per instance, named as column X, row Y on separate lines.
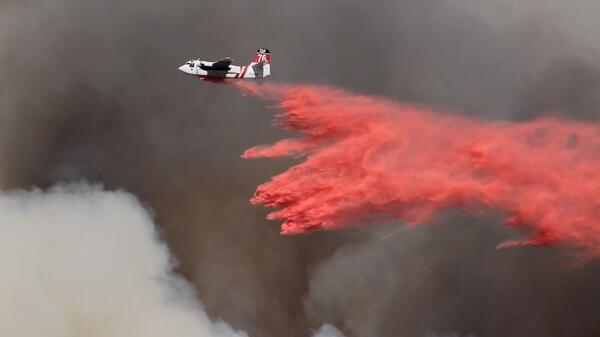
column 91, row 90
column 417, row 282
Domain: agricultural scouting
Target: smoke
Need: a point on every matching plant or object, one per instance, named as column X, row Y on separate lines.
column 328, row 331
column 91, row 90
column 79, row 261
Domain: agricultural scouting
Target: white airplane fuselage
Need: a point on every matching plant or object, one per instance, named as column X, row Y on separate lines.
column 204, row 69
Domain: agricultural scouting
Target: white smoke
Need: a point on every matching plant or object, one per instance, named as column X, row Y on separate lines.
column 328, row 330
column 77, row 261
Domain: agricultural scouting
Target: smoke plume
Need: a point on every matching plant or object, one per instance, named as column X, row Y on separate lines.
column 90, row 90
column 328, row 331
column 79, row 261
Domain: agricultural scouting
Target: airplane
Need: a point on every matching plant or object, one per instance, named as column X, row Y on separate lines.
column 259, row 67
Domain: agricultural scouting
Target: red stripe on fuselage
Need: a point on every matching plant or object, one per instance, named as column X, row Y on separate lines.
column 244, row 68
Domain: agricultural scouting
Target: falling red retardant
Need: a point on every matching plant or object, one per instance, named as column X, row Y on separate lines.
column 368, row 160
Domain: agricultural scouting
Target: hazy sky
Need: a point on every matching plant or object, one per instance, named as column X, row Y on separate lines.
column 90, row 90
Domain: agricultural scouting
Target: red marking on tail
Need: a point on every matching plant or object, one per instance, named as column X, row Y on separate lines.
column 262, row 55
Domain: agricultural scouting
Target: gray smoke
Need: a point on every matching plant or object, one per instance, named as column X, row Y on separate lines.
column 91, row 90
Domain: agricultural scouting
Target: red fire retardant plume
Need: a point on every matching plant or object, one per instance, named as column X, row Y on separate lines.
column 368, row 160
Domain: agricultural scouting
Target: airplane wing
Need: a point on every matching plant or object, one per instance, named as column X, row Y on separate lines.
column 222, row 64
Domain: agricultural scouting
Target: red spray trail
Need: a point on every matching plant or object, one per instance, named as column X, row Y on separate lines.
column 369, row 160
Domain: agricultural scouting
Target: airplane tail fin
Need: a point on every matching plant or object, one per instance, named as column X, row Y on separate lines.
column 263, row 58
column 262, row 55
